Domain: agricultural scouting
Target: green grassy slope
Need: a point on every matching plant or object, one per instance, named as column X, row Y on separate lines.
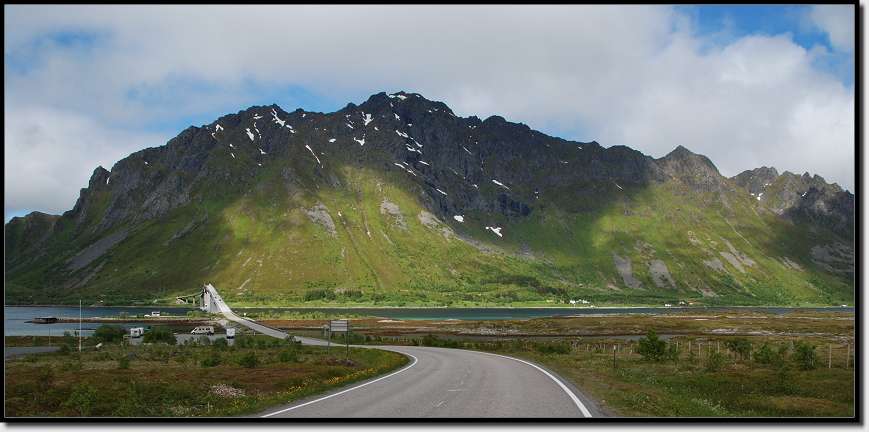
column 312, row 216
column 382, row 247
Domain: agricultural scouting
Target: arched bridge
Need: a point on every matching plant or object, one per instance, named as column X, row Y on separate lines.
column 209, row 300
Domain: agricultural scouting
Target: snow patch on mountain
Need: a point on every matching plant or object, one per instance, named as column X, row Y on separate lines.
column 277, row 119
column 500, row 184
column 312, row 153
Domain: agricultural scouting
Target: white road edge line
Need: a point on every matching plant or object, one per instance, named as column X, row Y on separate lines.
column 576, row 400
column 345, row 391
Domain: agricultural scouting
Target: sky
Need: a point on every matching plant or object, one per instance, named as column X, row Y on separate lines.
column 745, row 85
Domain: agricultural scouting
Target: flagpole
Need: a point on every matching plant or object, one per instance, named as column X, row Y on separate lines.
column 79, row 324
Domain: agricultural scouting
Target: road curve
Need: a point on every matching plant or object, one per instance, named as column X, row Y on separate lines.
column 451, row 383
column 439, row 382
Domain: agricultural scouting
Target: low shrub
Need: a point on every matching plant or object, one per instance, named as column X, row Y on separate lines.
column 804, row 355
column 551, row 348
column 434, row 341
column 651, row 347
column 82, row 399
column 109, row 333
column 70, row 366
column 160, row 334
column 123, row 362
column 248, row 360
column 214, row 359
column 741, row 347
column 288, row 355
column 64, row 350
column 714, row 361
column 768, row 356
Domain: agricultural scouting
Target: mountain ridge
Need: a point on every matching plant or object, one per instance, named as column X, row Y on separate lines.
column 349, row 186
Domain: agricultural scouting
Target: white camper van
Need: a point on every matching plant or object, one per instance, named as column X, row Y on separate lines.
column 137, row 332
column 230, row 333
column 206, row 330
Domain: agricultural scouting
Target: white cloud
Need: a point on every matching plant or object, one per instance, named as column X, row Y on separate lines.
column 838, row 22
column 756, row 102
column 630, row 75
column 49, row 155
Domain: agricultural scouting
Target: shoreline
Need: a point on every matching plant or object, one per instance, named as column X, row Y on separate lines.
column 448, row 307
column 168, row 319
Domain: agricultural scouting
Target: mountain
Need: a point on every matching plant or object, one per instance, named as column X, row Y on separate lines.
column 803, row 199
column 398, row 201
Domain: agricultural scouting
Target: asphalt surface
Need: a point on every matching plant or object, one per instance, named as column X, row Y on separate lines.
column 440, row 382
column 8, row 351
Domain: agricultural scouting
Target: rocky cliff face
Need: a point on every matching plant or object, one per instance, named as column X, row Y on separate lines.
column 803, row 199
column 466, row 165
column 378, row 190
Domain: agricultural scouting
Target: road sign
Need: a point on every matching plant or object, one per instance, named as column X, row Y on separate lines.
column 339, row 326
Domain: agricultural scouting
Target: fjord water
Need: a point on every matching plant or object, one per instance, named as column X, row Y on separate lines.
column 15, row 322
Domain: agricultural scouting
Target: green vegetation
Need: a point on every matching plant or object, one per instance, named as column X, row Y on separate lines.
column 108, row 333
column 189, row 380
column 795, row 364
column 269, row 246
column 714, row 364
column 159, row 334
column 652, row 347
column 715, row 383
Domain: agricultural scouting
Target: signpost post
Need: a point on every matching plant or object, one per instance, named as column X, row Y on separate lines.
column 341, row 326
column 328, row 335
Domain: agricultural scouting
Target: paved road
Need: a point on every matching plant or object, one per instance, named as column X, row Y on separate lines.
column 440, row 382
column 229, row 314
column 8, row 351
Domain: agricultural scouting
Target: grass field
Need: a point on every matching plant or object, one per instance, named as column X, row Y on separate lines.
column 716, row 366
column 702, row 378
column 181, row 380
